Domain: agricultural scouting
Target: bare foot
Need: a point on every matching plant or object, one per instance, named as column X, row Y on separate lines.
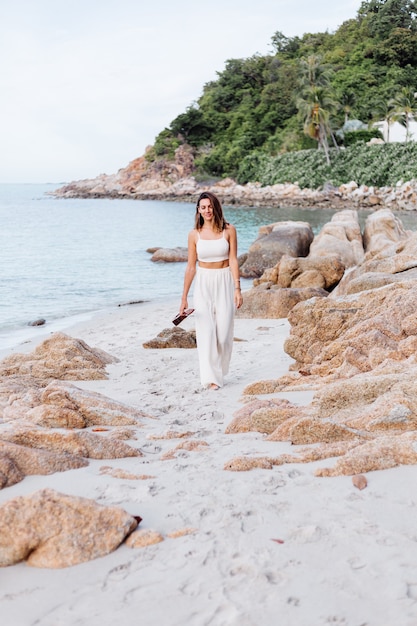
column 214, row 387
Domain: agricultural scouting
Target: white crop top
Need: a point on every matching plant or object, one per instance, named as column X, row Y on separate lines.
column 212, row 250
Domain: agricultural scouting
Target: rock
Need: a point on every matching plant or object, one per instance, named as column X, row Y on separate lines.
column 10, row 473
column 54, row 530
column 353, row 334
column 144, row 538
column 341, row 238
column 359, row 481
column 275, row 240
column 20, row 461
column 170, row 255
column 275, row 303
column 39, row 322
column 63, row 405
column 382, row 229
column 172, row 338
column 322, row 272
column 59, row 357
column 395, row 262
column 181, row 532
column 380, row 453
column 263, row 415
column 358, row 281
column 84, row 444
column 244, row 464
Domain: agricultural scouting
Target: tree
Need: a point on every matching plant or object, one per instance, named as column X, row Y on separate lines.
column 405, row 103
column 315, row 108
column 314, row 73
column 191, row 126
column 386, row 15
column 385, row 111
column 315, row 102
column 347, row 102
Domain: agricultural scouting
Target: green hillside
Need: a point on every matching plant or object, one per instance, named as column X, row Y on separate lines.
column 250, row 122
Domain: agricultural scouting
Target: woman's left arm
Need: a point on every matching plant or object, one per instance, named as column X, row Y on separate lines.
column 234, row 265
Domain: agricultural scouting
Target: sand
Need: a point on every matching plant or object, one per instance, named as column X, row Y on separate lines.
column 260, row 548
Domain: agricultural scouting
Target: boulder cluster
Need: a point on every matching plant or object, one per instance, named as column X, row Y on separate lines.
column 354, row 345
column 49, row 425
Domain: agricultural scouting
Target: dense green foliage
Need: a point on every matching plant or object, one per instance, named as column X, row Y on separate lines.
column 378, row 165
column 262, row 109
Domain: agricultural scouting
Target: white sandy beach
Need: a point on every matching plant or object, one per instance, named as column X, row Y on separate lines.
column 269, row 547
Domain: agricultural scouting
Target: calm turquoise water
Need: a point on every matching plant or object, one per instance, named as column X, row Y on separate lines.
column 60, row 258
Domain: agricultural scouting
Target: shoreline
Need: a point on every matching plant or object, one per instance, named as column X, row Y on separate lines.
column 401, row 197
column 25, row 338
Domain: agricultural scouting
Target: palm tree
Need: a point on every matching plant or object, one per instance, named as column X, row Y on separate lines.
column 315, row 103
column 315, row 106
column 385, row 111
column 405, row 103
column 347, row 102
column 314, row 73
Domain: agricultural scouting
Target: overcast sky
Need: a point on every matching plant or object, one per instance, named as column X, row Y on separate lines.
column 86, row 85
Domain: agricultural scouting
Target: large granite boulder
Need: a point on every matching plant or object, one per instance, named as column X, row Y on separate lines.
column 54, row 530
column 59, row 357
column 172, row 338
column 352, row 334
column 313, row 271
column 81, row 444
column 274, row 302
column 18, row 461
column 170, row 255
column 394, row 262
column 275, row 240
column 382, row 230
column 341, row 238
column 63, row 405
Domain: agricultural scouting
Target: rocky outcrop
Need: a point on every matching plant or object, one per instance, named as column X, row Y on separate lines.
column 18, row 461
column 54, row 530
column 172, row 338
column 170, row 255
column 59, row 357
column 275, row 240
column 356, row 350
column 323, row 272
column 275, row 302
column 144, row 177
column 382, row 231
column 295, row 278
column 160, row 179
column 63, row 405
column 394, row 260
column 340, row 238
column 31, row 403
column 340, row 337
column 84, row 444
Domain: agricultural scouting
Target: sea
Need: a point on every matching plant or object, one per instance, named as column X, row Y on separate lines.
column 63, row 260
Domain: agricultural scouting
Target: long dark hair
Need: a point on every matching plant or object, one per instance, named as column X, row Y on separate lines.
column 218, row 217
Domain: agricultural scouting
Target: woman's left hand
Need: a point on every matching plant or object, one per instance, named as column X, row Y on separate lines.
column 238, row 298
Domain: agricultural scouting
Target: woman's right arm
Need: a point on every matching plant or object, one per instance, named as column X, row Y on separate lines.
column 190, row 270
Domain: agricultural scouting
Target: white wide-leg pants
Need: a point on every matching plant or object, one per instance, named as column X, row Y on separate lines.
column 214, row 322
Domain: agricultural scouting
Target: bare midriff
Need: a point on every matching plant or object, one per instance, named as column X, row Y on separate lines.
column 217, row 265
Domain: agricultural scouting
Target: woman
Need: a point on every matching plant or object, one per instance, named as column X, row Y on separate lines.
column 213, row 244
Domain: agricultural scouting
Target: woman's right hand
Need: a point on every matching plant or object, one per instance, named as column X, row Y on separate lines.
column 184, row 305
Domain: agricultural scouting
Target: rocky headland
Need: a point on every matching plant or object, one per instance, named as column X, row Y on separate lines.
column 174, row 181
